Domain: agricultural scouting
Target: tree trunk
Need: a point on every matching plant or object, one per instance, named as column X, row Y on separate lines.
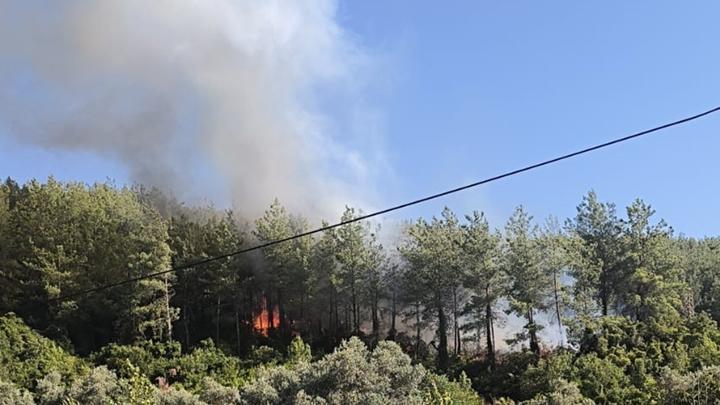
column 456, row 327
column 270, row 312
column 604, row 293
column 417, row 329
column 281, row 313
column 186, row 316
column 337, row 314
column 532, row 329
column 217, row 321
column 443, row 359
column 167, row 309
column 490, row 336
column 237, row 327
column 393, row 316
column 347, row 327
column 356, row 324
column 375, row 317
column 557, row 309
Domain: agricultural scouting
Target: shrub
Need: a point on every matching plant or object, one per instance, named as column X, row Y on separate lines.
column 50, row 389
column 173, row 396
column 209, row 361
column 700, row 387
column 26, row 357
column 299, row 351
column 213, row 393
column 438, row 389
column 11, row 394
column 99, row 386
column 352, row 374
column 561, row 392
column 153, row 359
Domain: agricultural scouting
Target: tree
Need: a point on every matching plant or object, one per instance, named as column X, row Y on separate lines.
column 286, row 262
column 324, row 283
column 699, row 262
column 553, row 245
column 373, row 269
column 484, row 276
column 654, row 287
column 432, row 252
column 599, row 257
column 350, row 244
column 529, row 284
column 66, row 238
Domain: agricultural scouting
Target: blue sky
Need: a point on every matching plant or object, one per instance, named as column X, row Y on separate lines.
column 471, row 89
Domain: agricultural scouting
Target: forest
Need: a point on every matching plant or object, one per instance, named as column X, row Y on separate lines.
column 609, row 306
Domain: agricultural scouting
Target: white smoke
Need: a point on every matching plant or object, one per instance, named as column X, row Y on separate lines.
column 165, row 86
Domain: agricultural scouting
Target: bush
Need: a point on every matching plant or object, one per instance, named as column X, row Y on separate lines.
column 11, row 394
column 151, row 358
column 173, row 396
column 213, row 393
column 700, row 387
column 561, row 393
column 27, row 357
column 99, row 386
column 440, row 390
column 352, row 374
column 50, row 389
column 209, row 361
column 299, row 351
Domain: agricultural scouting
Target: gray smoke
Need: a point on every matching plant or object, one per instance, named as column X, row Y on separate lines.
column 167, row 86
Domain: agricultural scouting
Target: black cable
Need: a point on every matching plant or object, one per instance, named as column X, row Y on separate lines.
column 385, row 211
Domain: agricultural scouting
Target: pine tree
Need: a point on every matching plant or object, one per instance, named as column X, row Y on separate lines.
column 554, row 263
column 529, row 284
column 485, row 277
column 432, row 252
column 598, row 259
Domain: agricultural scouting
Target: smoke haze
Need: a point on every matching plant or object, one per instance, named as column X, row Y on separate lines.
column 167, row 86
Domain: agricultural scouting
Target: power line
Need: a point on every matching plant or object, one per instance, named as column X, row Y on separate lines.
column 387, row 210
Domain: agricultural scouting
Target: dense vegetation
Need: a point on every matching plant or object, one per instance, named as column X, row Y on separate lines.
column 614, row 308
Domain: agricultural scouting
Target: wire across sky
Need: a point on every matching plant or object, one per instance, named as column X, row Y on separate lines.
column 390, row 209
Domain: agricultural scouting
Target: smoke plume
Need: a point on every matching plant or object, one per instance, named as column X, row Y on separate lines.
column 172, row 88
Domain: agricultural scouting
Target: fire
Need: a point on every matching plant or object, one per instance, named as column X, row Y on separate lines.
column 262, row 322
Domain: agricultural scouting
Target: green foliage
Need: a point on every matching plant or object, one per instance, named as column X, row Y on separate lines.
column 213, row 393
column 699, row 387
column 561, row 393
column 152, row 359
column 138, row 388
column 485, row 279
column 51, row 389
column 639, row 306
column 264, row 355
column 164, row 360
column 352, row 374
column 299, row 351
column 529, row 283
column 67, row 237
column 209, row 361
column 597, row 254
column 10, row 394
column 97, row 387
column 173, row 396
column 435, row 272
column 27, row 357
column 508, row 378
column 439, row 390
column 605, row 381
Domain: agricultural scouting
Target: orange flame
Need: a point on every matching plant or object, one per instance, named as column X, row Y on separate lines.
column 261, row 321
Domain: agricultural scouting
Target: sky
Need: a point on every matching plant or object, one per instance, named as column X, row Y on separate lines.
column 465, row 90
